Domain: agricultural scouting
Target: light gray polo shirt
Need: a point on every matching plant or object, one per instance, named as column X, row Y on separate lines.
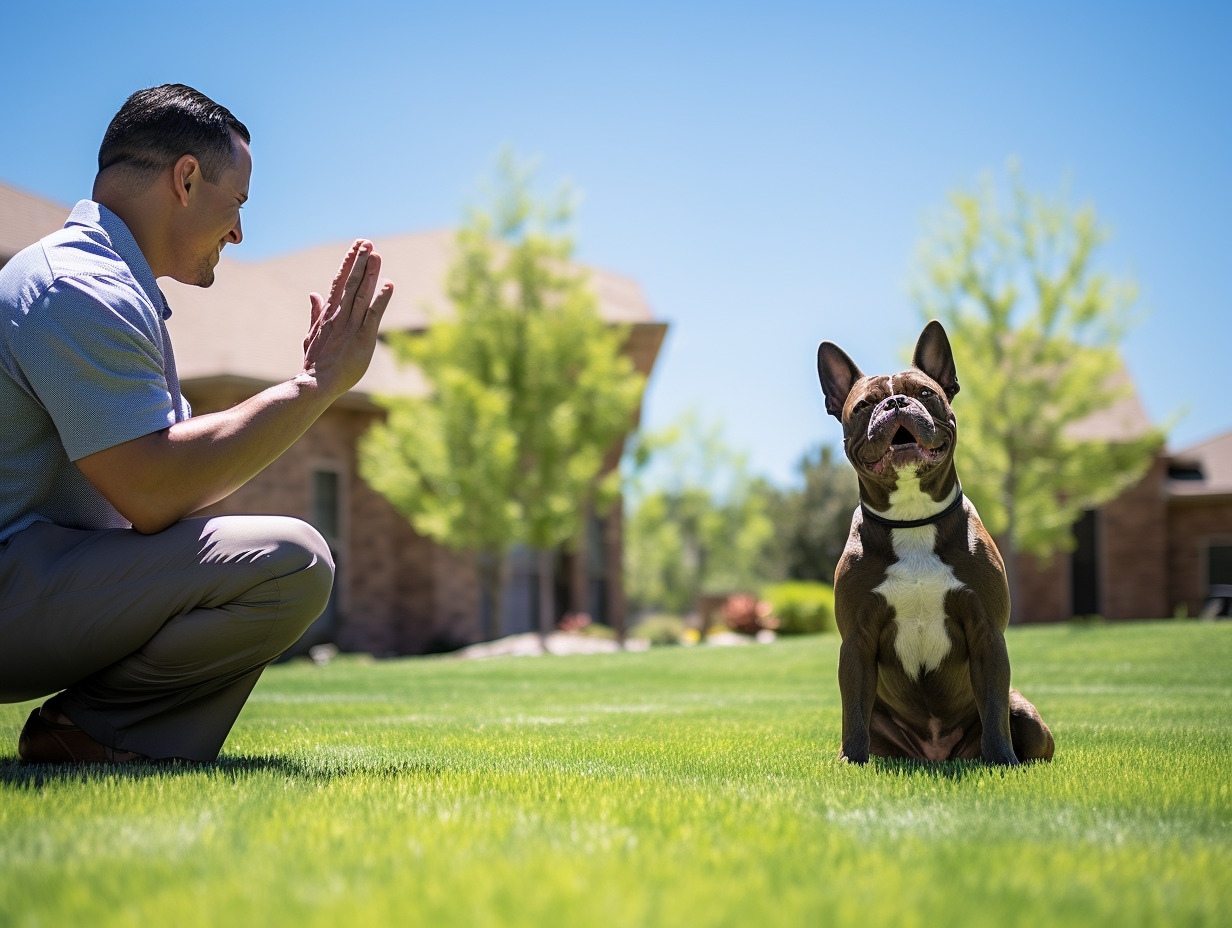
column 85, row 364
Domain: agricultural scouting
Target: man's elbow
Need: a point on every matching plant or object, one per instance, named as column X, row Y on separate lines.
column 147, row 525
column 137, row 479
column 145, row 516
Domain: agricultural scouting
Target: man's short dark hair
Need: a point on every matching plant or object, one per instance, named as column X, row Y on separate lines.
column 158, row 125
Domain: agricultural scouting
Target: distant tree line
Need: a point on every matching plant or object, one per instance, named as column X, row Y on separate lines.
column 706, row 526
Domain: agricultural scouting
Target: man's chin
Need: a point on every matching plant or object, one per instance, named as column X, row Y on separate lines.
column 203, row 276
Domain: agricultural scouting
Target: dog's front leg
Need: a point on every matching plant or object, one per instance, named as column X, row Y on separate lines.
column 989, row 663
column 857, row 685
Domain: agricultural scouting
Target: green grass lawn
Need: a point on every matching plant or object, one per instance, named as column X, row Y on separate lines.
column 678, row 787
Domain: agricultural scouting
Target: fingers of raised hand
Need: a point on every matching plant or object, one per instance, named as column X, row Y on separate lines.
column 350, row 304
column 383, row 298
column 372, row 318
column 367, row 284
column 338, row 287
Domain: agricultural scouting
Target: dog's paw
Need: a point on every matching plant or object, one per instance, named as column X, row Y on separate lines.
column 1001, row 755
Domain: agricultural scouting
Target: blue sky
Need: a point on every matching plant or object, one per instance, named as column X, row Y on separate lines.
column 765, row 170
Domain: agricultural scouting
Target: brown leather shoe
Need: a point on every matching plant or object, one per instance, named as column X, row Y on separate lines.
column 44, row 742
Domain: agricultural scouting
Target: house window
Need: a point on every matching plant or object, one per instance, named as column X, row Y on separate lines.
column 1219, row 565
column 326, row 507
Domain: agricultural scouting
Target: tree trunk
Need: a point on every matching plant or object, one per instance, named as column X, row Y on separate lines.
column 547, row 593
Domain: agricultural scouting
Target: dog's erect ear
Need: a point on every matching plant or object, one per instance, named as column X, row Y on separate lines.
column 934, row 357
column 838, row 375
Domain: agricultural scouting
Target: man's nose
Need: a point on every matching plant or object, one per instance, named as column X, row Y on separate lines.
column 236, row 235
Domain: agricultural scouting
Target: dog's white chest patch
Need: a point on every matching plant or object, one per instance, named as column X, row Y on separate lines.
column 916, row 586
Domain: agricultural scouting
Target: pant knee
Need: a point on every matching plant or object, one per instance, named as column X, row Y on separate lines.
column 306, row 568
column 294, row 555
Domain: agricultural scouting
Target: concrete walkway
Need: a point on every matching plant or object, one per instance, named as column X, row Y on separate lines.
column 531, row 644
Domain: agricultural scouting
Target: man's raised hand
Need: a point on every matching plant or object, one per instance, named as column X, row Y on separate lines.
column 343, row 329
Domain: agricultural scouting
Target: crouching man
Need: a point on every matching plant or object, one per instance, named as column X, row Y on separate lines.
column 149, row 626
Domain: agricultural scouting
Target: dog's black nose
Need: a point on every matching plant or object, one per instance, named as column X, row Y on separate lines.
column 898, row 401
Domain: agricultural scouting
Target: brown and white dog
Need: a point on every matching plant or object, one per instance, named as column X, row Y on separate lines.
column 920, row 593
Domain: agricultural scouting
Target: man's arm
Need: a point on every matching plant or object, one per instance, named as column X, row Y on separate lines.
column 158, row 479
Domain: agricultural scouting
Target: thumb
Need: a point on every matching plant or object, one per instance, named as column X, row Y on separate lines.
column 316, row 308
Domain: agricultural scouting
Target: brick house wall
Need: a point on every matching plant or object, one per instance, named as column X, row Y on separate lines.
column 1133, row 541
column 1042, row 591
column 1194, row 524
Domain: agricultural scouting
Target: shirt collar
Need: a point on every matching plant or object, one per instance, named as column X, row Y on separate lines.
column 93, row 215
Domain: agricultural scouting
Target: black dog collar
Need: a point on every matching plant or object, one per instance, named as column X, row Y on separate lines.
column 915, row 523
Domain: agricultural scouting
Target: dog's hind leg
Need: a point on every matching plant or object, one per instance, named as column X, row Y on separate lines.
column 1031, row 737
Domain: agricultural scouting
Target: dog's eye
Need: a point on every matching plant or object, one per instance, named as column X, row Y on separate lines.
column 863, row 404
column 925, row 393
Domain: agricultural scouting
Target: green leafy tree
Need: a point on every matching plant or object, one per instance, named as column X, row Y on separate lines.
column 813, row 521
column 530, row 395
column 1035, row 326
column 703, row 526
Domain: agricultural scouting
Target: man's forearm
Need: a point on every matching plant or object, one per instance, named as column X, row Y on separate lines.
column 158, row 479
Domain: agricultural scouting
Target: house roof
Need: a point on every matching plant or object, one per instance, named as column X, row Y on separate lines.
column 25, row 218
column 1124, row 419
column 1204, row 469
column 250, row 324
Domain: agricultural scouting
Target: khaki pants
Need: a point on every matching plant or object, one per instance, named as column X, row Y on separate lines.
column 156, row 640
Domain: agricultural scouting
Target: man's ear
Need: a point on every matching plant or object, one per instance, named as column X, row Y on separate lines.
column 934, row 357
column 838, row 375
column 184, row 173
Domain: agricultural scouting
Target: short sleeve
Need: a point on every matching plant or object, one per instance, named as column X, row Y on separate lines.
column 90, row 350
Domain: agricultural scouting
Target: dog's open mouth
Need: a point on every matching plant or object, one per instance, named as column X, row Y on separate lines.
column 902, row 437
column 906, row 450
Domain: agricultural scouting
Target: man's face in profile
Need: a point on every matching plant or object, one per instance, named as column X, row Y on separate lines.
column 214, row 219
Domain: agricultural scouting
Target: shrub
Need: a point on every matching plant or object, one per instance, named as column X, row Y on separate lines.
column 747, row 614
column 660, row 629
column 801, row 607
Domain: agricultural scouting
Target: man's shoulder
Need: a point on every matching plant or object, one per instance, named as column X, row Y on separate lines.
column 26, row 275
column 78, row 269
column 82, row 253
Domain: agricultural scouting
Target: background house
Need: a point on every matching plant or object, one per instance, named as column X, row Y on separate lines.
column 396, row 592
column 1154, row 551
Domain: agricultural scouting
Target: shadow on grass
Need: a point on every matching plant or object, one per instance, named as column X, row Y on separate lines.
column 942, row 770
column 16, row 772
